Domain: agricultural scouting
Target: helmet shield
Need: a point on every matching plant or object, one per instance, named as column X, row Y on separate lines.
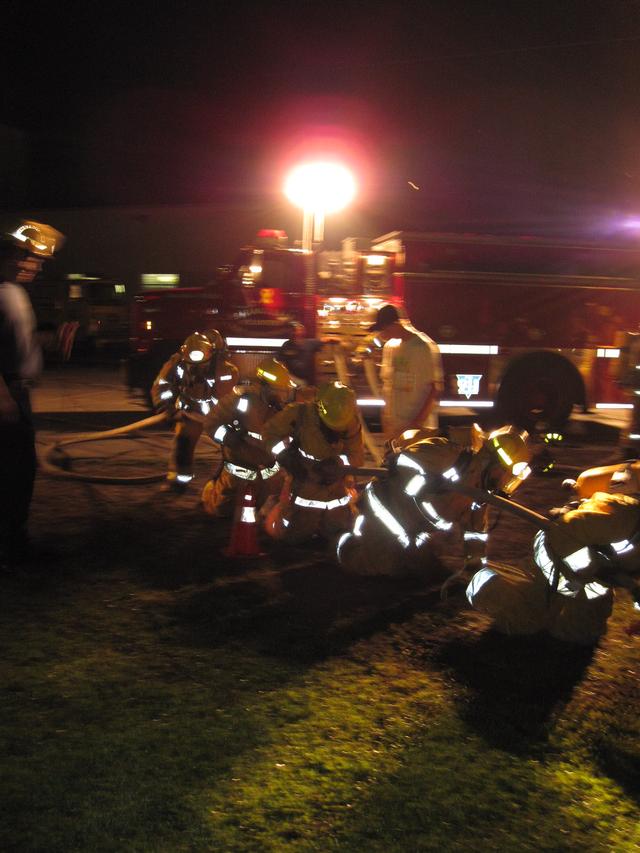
column 510, row 456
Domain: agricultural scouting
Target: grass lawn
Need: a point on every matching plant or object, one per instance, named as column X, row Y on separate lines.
column 156, row 698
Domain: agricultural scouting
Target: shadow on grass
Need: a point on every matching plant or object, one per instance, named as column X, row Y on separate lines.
column 304, row 609
column 291, row 602
column 620, row 759
column 452, row 794
column 122, row 762
column 162, row 542
column 514, row 685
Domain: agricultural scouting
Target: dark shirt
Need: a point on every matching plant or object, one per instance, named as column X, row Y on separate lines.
column 299, row 358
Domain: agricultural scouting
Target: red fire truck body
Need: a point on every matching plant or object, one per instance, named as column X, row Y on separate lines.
column 527, row 328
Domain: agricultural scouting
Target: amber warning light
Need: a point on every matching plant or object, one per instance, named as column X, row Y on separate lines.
column 271, row 237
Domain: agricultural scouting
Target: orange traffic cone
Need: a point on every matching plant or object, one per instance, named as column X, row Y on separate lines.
column 244, row 533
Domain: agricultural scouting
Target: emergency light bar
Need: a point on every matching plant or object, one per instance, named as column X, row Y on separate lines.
column 443, row 404
column 466, row 404
column 469, row 349
column 272, row 233
column 256, row 342
column 614, row 405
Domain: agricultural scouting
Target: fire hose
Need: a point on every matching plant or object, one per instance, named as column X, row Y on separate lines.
column 48, row 455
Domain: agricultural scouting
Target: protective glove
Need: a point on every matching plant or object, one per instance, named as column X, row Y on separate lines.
column 233, row 439
column 472, row 565
column 452, row 581
column 389, row 452
column 543, row 461
column 329, row 470
column 559, row 511
column 291, row 460
column 166, row 408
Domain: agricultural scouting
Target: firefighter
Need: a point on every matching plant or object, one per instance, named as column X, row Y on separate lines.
column 298, row 354
column 313, row 440
column 566, row 587
column 188, row 387
column 236, row 425
column 400, row 513
column 22, row 254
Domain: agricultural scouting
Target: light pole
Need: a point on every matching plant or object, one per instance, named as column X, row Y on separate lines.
column 318, row 188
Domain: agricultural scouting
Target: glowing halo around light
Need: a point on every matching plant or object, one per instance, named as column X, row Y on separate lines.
column 321, row 186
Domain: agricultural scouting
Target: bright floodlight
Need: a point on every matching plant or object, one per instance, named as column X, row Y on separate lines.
column 322, row 187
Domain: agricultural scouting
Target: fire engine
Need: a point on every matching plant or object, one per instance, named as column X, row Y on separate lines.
column 528, row 328
column 98, row 308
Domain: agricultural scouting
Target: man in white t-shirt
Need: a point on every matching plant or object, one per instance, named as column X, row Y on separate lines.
column 411, row 374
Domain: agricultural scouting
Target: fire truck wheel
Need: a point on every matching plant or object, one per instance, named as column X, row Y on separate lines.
column 538, row 394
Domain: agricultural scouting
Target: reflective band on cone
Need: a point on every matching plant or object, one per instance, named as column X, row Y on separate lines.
column 244, row 533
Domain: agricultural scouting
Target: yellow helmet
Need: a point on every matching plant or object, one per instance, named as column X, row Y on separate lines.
column 623, row 478
column 508, row 448
column 197, row 349
column 275, row 374
column 336, row 405
column 36, row 238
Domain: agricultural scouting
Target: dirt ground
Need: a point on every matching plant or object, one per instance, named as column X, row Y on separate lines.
column 296, row 599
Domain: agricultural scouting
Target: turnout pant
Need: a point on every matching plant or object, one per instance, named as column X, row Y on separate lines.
column 17, row 476
column 296, row 517
column 219, row 494
column 520, row 602
column 185, row 438
column 373, row 551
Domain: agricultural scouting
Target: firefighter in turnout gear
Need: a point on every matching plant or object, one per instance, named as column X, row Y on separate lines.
column 22, row 254
column 566, row 587
column 236, row 424
column 314, row 440
column 188, row 388
column 400, row 513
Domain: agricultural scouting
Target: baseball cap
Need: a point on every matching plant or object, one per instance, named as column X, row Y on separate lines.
column 387, row 315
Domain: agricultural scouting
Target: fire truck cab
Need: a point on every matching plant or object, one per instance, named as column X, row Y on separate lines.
column 270, row 294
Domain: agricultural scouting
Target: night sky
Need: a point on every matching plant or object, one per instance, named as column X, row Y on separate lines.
column 506, row 115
